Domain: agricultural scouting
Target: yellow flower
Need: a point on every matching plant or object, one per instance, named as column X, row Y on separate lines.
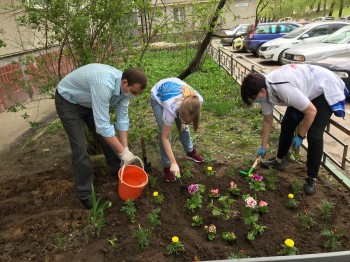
column 175, row 239
column 250, row 175
column 155, row 193
column 291, row 196
column 210, row 168
column 289, row 243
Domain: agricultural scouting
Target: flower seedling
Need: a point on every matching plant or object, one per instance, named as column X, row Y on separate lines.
column 197, row 221
column 332, row 238
column 231, row 171
column 292, row 203
column 158, row 198
column 214, row 193
column 297, row 186
column 186, row 171
column 152, row 181
column 129, row 209
column 230, row 237
column 97, row 212
column 142, row 236
column 228, row 211
column 175, row 247
column 306, row 219
column 257, row 230
column 263, row 206
column 210, row 231
column 210, row 171
column 60, row 240
column 272, row 178
column 249, row 212
column 326, row 208
column 234, row 190
column 195, row 201
column 154, row 218
column 288, row 248
column 196, row 259
column 241, row 254
column 256, row 183
column 113, row 242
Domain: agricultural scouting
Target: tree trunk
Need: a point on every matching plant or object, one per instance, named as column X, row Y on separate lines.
column 318, row 6
column 193, row 66
column 341, row 5
column 330, row 13
column 324, row 7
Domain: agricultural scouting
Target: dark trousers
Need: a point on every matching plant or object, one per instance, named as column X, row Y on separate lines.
column 74, row 118
column 291, row 120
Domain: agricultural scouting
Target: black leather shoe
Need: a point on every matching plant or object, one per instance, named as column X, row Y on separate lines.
column 87, row 203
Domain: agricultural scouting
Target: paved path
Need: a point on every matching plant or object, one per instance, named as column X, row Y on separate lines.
column 13, row 126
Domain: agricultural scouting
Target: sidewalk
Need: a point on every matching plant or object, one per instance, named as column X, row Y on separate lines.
column 13, row 126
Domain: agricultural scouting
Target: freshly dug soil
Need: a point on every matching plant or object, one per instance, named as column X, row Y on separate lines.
column 38, row 206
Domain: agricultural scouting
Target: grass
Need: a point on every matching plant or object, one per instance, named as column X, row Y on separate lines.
column 223, row 118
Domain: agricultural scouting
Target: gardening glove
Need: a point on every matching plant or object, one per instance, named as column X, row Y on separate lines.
column 262, row 151
column 126, row 156
column 297, row 141
column 182, row 128
column 174, row 168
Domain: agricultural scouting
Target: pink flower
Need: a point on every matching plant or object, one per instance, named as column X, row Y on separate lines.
column 257, row 177
column 214, row 191
column 262, row 203
column 250, row 202
column 193, row 189
column 232, row 185
column 212, row 228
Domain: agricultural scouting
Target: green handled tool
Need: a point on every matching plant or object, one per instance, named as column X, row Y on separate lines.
column 252, row 168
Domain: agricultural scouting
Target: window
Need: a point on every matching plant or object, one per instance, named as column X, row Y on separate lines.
column 318, row 31
column 179, row 14
column 335, row 27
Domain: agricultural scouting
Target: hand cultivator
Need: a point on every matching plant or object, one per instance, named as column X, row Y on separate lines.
column 252, row 168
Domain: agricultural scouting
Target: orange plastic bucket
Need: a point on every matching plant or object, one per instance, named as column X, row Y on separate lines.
column 132, row 180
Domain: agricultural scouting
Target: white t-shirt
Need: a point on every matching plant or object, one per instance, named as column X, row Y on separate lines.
column 296, row 84
column 168, row 94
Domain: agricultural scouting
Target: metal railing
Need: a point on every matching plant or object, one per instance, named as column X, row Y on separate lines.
column 238, row 71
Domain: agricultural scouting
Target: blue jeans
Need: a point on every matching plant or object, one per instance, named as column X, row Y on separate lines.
column 184, row 136
column 290, row 122
column 74, row 117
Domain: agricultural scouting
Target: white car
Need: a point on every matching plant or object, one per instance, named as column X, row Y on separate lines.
column 309, row 33
column 337, row 42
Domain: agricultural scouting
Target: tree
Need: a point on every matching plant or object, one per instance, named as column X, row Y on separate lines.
column 193, row 66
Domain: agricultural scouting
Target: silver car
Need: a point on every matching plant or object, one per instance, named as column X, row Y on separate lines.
column 337, row 42
column 307, row 34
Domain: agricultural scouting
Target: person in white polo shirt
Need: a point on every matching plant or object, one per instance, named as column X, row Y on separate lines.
column 174, row 101
column 312, row 94
column 84, row 98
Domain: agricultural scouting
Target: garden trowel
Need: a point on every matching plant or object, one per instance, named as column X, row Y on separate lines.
column 148, row 165
column 257, row 161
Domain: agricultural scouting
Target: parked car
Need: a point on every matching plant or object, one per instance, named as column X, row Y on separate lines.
column 227, row 35
column 324, row 18
column 345, row 18
column 339, row 64
column 337, row 42
column 310, row 33
column 286, row 19
column 265, row 32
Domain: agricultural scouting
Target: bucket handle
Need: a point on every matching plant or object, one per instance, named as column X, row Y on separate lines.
column 123, row 167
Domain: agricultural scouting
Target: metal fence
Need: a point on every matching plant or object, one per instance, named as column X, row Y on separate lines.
column 238, row 71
